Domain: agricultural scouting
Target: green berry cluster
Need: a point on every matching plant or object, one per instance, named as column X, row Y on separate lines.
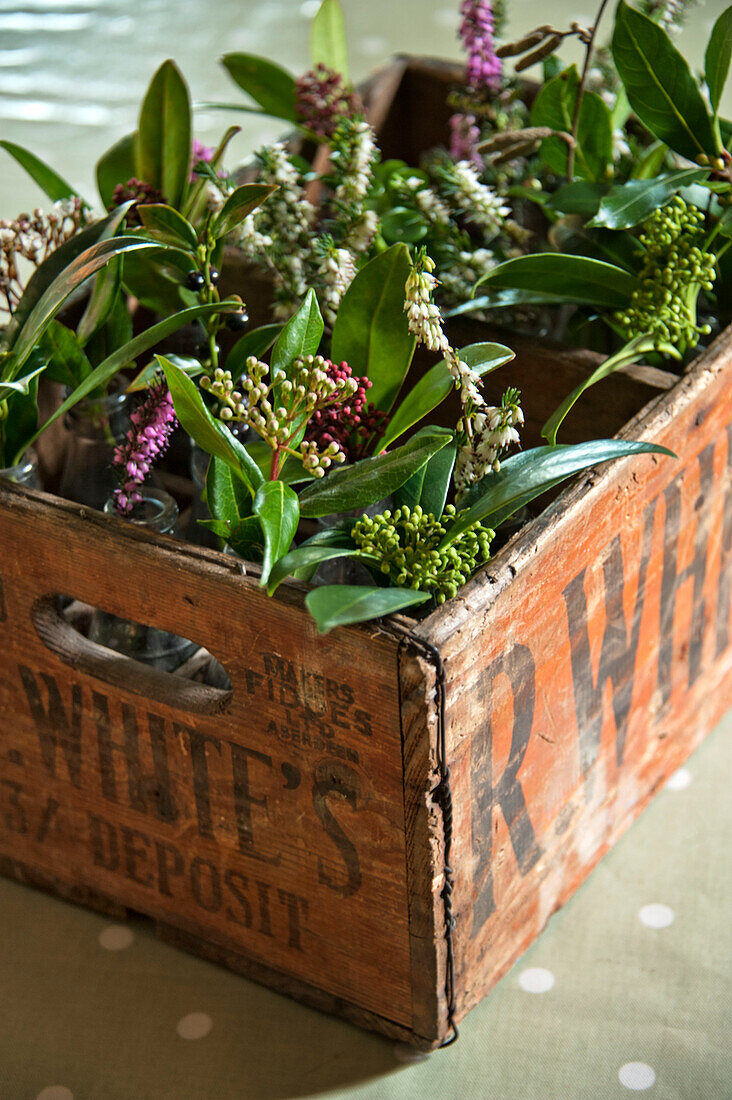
column 405, row 543
column 674, row 269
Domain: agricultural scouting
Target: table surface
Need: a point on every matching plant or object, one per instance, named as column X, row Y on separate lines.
column 628, row 989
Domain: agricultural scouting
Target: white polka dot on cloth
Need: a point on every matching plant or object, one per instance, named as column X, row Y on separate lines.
column 679, row 781
column 55, row 1092
column 636, row 1076
column 656, row 916
column 196, row 1025
column 116, row 937
column 536, row 980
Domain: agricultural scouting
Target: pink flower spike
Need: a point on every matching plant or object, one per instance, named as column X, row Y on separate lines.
column 152, row 425
column 484, row 69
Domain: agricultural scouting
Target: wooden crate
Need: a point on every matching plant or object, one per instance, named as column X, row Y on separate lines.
column 295, row 828
column 380, row 821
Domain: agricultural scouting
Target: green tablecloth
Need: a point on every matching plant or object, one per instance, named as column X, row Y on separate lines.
column 627, row 990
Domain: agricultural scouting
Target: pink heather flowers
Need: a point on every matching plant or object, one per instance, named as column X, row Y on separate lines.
column 199, row 152
column 476, row 32
column 322, row 99
column 464, row 136
column 153, row 423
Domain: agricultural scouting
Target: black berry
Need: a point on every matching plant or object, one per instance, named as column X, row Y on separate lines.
column 235, row 322
column 213, row 276
column 195, row 280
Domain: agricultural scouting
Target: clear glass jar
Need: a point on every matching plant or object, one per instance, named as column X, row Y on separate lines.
column 94, row 428
column 148, row 644
column 346, row 570
column 26, row 471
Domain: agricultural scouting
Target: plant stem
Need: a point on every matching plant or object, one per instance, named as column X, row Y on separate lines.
column 581, row 89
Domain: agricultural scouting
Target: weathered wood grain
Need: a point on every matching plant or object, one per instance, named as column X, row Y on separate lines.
column 272, row 824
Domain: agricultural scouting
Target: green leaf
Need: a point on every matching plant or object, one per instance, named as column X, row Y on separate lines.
column 128, row 352
column 628, row 354
column 226, row 495
column 650, row 163
column 371, row 332
column 238, row 206
column 194, row 207
column 631, row 203
column 554, row 107
column 210, row 434
column 335, row 605
column 102, row 300
column 22, row 408
column 579, row 197
column 430, row 485
column 256, row 342
column 524, row 476
column 402, row 224
column 49, row 181
column 576, row 279
column 67, row 362
column 73, row 276
column 165, row 224
column 594, row 137
column 247, row 539
column 22, row 385
column 660, row 86
column 328, row 40
column 371, row 480
column 163, row 148
column 505, row 299
column 268, row 84
column 303, row 557
column 299, row 337
column 115, row 167
column 51, row 268
column 436, row 384
column 278, row 509
column 717, row 57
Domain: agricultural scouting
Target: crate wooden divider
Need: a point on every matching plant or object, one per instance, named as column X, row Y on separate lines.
column 295, row 827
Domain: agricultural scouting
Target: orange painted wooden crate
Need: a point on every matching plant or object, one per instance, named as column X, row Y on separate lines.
column 378, row 821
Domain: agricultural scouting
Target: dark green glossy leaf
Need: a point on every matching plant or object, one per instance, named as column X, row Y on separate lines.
column 631, row 203
column 594, row 137
column 650, row 164
column 554, row 107
column 300, row 336
column 67, row 362
column 49, row 181
column 116, row 167
column 570, row 234
column 303, row 557
column 717, row 57
column 576, row 279
column 163, row 147
column 579, row 197
column 22, row 410
column 268, row 84
column 505, row 299
column 165, row 224
column 102, row 300
column 194, row 206
column 371, row 332
column 238, row 206
column 226, row 494
column 209, row 433
column 21, row 386
column 436, row 384
column 402, row 224
column 256, row 342
column 328, row 41
column 50, row 269
column 187, row 363
column 371, row 480
column 113, row 334
column 335, row 605
column 430, row 485
column 73, row 276
column 660, row 86
column 247, row 539
column 524, row 476
column 278, row 509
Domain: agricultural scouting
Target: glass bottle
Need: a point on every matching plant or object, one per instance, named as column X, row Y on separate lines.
column 158, row 648
column 94, row 428
column 25, row 472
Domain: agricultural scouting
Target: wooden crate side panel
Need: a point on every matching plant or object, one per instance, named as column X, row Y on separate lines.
column 274, row 829
column 599, row 665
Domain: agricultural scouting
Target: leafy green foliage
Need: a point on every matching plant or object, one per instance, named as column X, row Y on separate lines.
column 240, row 203
column 430, row 485
column 49, row 181
column 278, row 510
column 335, row 605
column 166, row 225
column 630, row 203
column 256, row 342
column 572, row 279
column 226, row 494
column 268, row 84
column 303, row 558
column 64, row 355
column 328, row 41
column 116, row 166
column 660, row 87
column 371, row 332
column 301, row 335
column 163, row 146
column 717, row 57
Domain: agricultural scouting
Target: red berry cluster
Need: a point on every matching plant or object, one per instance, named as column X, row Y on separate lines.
column 349, row 425
column 322, row 99
column 143, row 193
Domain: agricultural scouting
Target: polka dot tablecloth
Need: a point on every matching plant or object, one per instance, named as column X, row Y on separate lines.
column 627, row 991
